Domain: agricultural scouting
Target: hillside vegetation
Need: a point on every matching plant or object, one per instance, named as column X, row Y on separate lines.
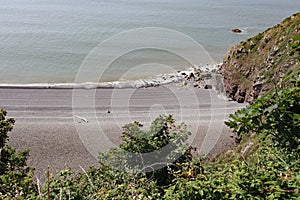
column 258, row 64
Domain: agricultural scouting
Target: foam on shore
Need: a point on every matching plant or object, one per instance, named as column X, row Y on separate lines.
column 154, row 81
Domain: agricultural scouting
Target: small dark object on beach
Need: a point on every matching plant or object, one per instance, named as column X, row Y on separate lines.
column 236, row 30
column 108, row 111
column 208, row 87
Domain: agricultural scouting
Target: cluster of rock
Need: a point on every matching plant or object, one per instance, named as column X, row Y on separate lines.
column 204, row 77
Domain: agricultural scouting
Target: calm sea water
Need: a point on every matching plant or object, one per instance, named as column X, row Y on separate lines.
column 46, row 41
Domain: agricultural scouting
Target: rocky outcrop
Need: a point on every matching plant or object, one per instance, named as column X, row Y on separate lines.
column 206, row 77
column 236, row 30
column 262, row 62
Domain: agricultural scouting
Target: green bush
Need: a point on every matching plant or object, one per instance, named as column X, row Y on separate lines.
column 276, row 114
column 16, row 178
column 270, row 171
column 155, row 152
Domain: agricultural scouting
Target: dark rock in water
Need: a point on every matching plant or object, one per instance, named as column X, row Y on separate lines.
column 236, row 30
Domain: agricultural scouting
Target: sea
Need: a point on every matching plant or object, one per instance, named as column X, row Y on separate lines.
column 86, row 41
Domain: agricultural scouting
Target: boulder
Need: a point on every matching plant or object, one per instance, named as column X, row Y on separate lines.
column 236, row 30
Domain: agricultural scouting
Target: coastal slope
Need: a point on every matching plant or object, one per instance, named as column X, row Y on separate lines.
column 263, row 62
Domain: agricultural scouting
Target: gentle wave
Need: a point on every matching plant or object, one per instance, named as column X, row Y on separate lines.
column 155, row 81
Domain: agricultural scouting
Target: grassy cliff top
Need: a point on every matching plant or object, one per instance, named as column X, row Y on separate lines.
column 258, row 64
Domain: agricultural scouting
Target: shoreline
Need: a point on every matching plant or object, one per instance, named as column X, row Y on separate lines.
column 152, row 81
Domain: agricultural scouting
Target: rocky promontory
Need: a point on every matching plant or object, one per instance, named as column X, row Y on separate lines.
column 263, row 62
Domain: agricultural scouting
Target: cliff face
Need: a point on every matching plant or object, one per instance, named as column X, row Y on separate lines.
column 258, row 64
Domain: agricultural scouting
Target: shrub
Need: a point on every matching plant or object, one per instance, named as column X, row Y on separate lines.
column 270, row 171
column 16, row 178
column 155, row 152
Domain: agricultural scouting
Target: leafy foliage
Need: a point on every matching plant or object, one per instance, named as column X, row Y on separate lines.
column 270, row 170
column 16, row 178
column 276, row 114
column 155, row 152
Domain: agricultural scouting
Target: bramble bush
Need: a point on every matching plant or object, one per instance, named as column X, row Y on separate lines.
column 16, row 178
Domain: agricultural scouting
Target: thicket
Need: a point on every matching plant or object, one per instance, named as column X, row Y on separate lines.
column 269, row 169
column 265, row 165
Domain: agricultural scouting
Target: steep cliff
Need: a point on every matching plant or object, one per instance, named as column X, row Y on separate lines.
column 260, row 63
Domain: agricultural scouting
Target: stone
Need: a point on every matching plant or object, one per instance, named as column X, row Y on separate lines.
column 242, row 93
column 233, row 91
column 198, row 79
column 196, row 85
column 257, row 86
column 257, row 89
column 236, row 30
column 191, row 76
column 275, row 50
column 197, row 71
column 239, row 50
column 208, row 87
column 247, row 73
